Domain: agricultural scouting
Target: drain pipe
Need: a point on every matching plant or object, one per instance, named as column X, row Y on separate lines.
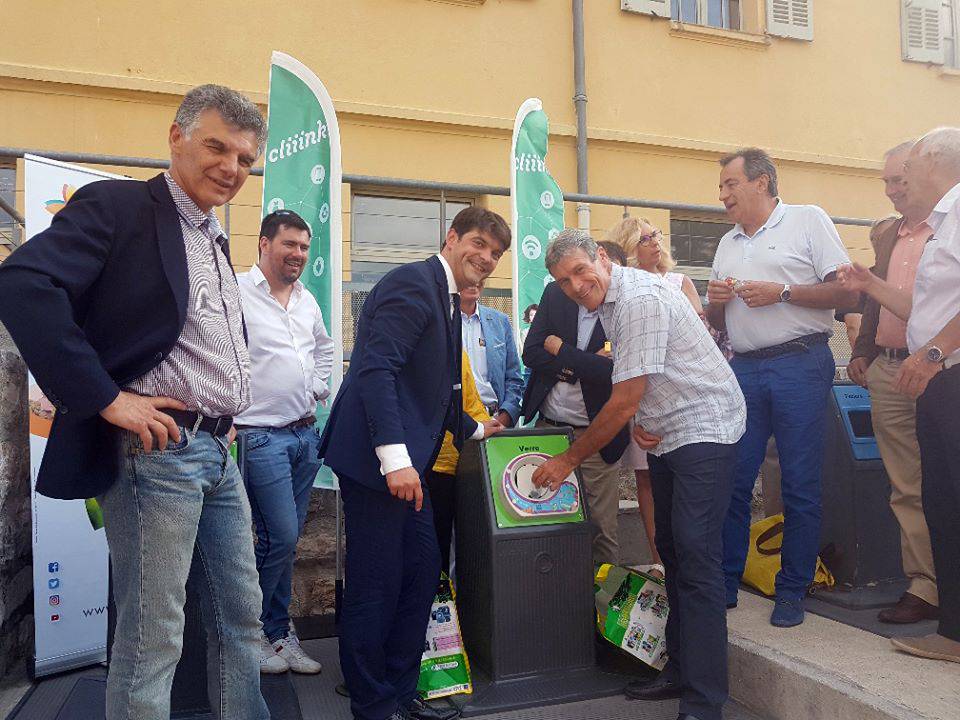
column 580, row 102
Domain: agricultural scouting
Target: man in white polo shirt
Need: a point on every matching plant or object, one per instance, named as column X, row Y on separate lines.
column 932, row 371
column 670, row 376
column 773, row 289
column 291, row 357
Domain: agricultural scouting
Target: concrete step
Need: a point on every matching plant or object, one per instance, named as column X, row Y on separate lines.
column 824, row 670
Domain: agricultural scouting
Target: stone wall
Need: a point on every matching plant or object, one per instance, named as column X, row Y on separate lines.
column 314, row 572
column 16, row 573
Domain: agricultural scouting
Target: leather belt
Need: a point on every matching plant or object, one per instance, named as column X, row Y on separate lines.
column 548, row 421
column 797, row 345
column 305, row 421
column 895, row 353
column 196, row 422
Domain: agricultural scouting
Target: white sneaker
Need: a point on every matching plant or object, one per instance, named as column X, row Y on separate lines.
column 288, row 649
column 270, row 662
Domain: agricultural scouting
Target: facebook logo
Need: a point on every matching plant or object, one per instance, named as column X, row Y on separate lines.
column 53, row 567
column 53, row 583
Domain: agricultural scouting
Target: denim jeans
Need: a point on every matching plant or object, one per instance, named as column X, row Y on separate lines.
column 691, row 491
column 280, row 466
column 165, row 506
column 786, row 396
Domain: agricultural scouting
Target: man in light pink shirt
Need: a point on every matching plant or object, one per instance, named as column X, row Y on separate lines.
column 880, row 350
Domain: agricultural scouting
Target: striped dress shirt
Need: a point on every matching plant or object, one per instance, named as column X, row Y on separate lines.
column 209, row 368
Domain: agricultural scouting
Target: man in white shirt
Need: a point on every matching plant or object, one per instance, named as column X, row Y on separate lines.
column 291, row 357
column 932, row 371
column 669, row 375
column 773, row 289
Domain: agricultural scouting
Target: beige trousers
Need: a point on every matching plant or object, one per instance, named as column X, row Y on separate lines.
column 894, row 424
column 601, row 483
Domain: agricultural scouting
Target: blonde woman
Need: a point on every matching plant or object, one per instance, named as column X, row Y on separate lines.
column 643, row 247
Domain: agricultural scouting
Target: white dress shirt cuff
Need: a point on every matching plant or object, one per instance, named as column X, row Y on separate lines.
column 393, row 457
column 320, row 390
column 478, row 433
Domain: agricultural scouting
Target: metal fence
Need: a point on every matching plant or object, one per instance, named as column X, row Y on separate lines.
column 354, row 295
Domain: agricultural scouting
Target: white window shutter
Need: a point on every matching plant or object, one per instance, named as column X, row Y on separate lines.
column 658, row 8
column 921, row 37
column 790, row 19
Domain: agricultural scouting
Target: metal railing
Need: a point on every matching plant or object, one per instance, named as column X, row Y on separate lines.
column 404, row 184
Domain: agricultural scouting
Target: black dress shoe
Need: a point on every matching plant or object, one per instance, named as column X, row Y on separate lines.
column 686, row 716
column 660, row 688
column 420, row 710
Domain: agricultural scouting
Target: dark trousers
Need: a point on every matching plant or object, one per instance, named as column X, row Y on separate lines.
column 691, row 493
column 938, row 420
column 786, row 396
column 443, row 497
column 392, row 566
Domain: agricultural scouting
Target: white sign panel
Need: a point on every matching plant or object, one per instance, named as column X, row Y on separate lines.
column 69, row 544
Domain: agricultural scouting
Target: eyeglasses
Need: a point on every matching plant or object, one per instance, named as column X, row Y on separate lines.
column 646, row 240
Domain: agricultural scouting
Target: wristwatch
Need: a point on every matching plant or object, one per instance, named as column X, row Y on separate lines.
column 934, row 354
column 785, row 294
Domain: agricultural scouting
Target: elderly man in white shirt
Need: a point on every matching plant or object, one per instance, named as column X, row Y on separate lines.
column 932, row 371
column 669, row 375
column 291, row 357
column 773, row 289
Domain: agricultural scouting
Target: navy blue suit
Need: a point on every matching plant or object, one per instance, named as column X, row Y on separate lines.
column 403, row 386
column 93, row 302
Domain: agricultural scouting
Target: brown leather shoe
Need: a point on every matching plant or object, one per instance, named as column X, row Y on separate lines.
column 909, row 609
column 935, row 647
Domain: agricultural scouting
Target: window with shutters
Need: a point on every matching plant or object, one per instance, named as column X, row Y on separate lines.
column 790, row 19
column 715, row 13
column 928, row 31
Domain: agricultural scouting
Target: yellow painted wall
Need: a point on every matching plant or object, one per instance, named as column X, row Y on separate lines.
column 428, row 89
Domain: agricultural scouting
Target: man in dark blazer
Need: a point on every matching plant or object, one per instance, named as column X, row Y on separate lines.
column 570, row 383
column 401, row 394
column 128, row 314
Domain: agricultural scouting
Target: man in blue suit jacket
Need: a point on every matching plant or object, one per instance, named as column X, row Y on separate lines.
column 488, row 340
column 385, row 430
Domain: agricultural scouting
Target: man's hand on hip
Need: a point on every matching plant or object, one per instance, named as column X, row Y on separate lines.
column 404, row 484
column 857, row 370
column 145, row 417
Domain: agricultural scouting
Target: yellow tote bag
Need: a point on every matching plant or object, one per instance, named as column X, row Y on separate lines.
column 763, row 557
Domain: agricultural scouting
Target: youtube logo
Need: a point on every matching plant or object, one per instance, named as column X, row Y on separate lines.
column 55, row 618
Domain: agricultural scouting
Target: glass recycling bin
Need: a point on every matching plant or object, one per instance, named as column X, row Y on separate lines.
column 524, row 568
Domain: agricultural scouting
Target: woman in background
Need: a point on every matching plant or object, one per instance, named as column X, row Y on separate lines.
column 643, row 247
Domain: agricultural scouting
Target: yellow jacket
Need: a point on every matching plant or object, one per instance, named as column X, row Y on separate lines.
column 472, row 404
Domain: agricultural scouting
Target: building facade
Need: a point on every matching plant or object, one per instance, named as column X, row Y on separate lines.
column 427, row 89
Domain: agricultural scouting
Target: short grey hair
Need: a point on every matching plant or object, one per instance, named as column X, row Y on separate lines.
column 569, row 241
column 234, row 108
column 942, row 145
column 897, row 149
column 756, row 162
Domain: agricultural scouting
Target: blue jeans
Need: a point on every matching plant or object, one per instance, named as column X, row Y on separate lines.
column 786, row 396
column 165, row 506
column 392, row 571
column 691, row 490
column 280, row 466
